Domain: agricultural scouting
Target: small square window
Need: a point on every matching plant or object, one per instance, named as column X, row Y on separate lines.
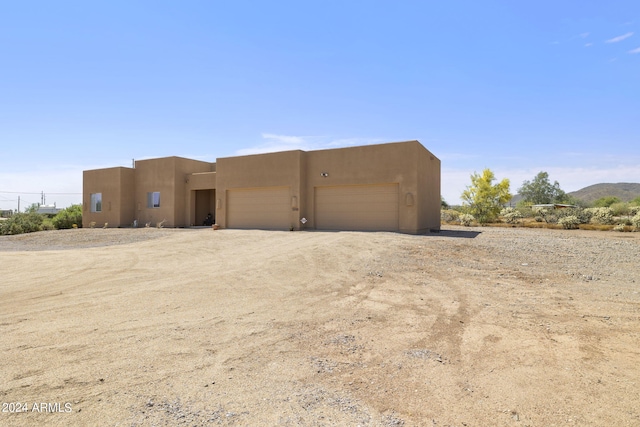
column 153, row 199
column 96, row 202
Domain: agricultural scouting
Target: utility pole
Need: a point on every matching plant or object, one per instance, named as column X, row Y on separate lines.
column 18, row 204
column 42, row 198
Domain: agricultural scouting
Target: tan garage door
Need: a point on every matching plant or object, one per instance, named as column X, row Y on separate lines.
column 357, row 207
column 267, row 208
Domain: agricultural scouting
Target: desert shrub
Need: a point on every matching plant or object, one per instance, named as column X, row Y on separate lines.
column 633, row 210
column 619, row 227
column 22, row 223
column 605, row 202
column 466, row 219
column 511, row 215
column 525, row 210
column 547, row 215
column 636, row 222
column 619, row 209
column 583, row 216
column 449, row 215
column 569, row 222
column 67, row 217
column 47, row 224
column 601, row 215
column 538, row 218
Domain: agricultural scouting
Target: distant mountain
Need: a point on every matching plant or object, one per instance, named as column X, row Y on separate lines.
column 624, row 191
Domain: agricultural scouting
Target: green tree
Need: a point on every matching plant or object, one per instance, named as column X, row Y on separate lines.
column 443, row 203
column 484, row 200
column 33, row 207
column 67, row 217
column 541, row 191
column 605, row 202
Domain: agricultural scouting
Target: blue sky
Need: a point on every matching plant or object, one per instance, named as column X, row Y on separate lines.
column 517, row 87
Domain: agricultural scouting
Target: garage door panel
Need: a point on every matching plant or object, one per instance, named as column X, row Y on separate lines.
column 357, row 207
column 268, row 208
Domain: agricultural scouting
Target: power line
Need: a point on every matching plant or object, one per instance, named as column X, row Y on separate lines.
column 39, row 192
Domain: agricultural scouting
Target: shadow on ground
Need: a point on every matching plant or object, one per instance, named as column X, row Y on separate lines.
column 464, row 234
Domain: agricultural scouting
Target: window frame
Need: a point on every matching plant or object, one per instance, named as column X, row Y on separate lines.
column 153, row 199
column 95, row 202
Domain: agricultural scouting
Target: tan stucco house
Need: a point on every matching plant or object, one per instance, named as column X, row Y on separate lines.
column 391, row 187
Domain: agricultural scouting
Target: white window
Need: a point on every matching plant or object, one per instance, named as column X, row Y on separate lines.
column 96, row 202
column 153, row 199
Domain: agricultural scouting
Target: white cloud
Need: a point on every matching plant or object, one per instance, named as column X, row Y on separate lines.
column 588, row 44
column 272, row 143
column 584, row 35
column 636, row 50
column 350, row 142
column 619, row 38
column 286, row 139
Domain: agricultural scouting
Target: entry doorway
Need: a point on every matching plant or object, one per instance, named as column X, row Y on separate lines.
column 205, row 205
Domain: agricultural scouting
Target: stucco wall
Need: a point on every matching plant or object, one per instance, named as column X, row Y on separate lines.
column 262, row 170
column 372, row 164
column 413, row 168
column 429, row 190
column 117, row 188
column 183, row 169
column 168, row 176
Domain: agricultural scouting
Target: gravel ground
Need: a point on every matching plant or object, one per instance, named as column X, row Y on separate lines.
column 466, row 327
column 81, row 238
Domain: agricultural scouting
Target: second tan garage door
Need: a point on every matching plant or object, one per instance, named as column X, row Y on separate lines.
column 267, row 208
column 357, row 207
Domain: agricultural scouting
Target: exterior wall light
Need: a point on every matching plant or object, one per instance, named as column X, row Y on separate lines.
column 408, row 200
column 324, row 174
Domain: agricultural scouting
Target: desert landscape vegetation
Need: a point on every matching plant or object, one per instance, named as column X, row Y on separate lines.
column 471, row 326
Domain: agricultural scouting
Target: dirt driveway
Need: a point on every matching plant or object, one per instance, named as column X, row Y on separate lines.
column 468, row 327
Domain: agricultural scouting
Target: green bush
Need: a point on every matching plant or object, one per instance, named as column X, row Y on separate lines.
column 605, row 202
column 449, row 215
column 602, row 215
column 547, row 215
column 525, row 209
column 619, row 209
column 569, row 222
column 466, row 219
column 583, row 215
column 633, row 210
column 22, row 223
column 67, row 217
column 636, row 222
column 511, row 215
